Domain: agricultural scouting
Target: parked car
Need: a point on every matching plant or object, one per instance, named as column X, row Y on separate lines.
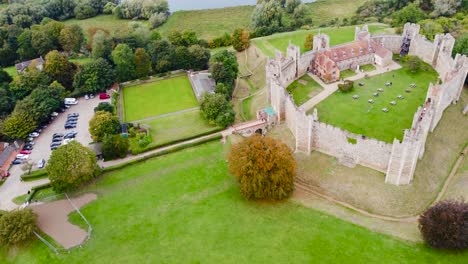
column 29, row 139
column 29, row 143
column 56, row 144
column 41, row 163
column 22, row 156
column 86, row 97
column 57, row 139
column 25, row 152
column 91, row 96
column 57, row 135
column 7, row 174
column 73, row 114
column 69, row 135
column 27, row 147
column 70, row 101
column 54, row 114
column 104, row 96
column 16, row 162
column 54, row 147
column 37, row 130
column 33, row 134
column 62, row 110
column 67, row 106
column 72, row 118
column 69, row 126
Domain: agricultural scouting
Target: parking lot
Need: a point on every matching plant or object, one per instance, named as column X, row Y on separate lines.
column 85, row 109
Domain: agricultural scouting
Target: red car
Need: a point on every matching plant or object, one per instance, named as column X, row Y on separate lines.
column 26, row 152
column 104, row 96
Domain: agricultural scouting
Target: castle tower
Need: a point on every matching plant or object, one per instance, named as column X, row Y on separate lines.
column 410, row 31
column 321, row 41
column 360, row 34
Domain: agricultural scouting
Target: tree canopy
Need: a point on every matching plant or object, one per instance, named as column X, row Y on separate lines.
column 94, row 76
column 216, row 109
column 103, row 123
column 70, row 166
column 17, row 226
column 264, row 168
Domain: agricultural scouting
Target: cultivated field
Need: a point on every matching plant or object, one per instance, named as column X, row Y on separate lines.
column 107, row 22
column 338, row 35
column 361, row 117
column 209, row 23
column 303, row 89
column 185, row 208
column 157, row 98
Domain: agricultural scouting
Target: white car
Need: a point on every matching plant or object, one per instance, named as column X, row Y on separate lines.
column 34, row 134
column 54, row 114
column 41, row 163
column 22, row 156
column 86, row 97
column 67, row 140
column 70, row 101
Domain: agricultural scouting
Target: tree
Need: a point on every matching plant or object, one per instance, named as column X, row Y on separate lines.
column 445, row 225
column 42, row 42
column 411, row 13
column 124, row 60
column 216, row 109
column 198, row 58
column 264, row 168
column 104, row 106
column 59, row 68
column 291, row 5
column 162, row 55
column 461, row 45
column 103, row 123
column 240, row 39
column 309, row 41
column 413, row 63
column 115, row 146
column 83, row 11
column 224, row 68
column 267, row 14
column 27, row 81
column 18, row 125
column 102, row 45
column 430, row 28
column 70, row 166
column 71, row 38
column 6, row 102
column 142, row 63
column 446, row 7
column 347, row 86
column 17, row 226
column 94, row 76
column 26, row 50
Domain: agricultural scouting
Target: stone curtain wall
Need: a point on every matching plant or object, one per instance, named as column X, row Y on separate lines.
column 391, row 42
column 397, row 160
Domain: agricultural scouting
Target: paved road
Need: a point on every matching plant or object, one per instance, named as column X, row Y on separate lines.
column 333, row 87
column 14, row 187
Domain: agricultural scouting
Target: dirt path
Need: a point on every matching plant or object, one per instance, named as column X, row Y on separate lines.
column 53, row 220
column 303, row 187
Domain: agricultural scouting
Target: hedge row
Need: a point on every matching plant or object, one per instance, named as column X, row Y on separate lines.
column 36, row 189
column 35, row 175
column 172, row 142
column 217, row 136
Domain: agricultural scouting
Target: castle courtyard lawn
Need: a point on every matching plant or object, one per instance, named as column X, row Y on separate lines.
column 300, row 92
column 362, row 118
column 185, row 208
column 157, row 98
column 338, row 35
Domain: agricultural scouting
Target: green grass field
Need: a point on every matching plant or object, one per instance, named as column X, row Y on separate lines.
column 347, row 73
column 179, row 126
column 302, row 93
column 338, row 35
column 322, row 11
column 186, row 208
column 11, row 71
column 107, row 22
column 157, row 98
column 209, row 23
column 360, row 117
column 367, row 67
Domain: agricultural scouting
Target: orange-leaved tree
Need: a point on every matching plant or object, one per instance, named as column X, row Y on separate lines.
column 264, row 167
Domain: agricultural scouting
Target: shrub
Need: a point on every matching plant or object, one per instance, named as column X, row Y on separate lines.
column 17, row 226
column 115, row 146
column 264, row 167
column 347, row 86
column 83, row 11
column 103, row 123
column 157, row 19
column 104, row 106
column 445, row 225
